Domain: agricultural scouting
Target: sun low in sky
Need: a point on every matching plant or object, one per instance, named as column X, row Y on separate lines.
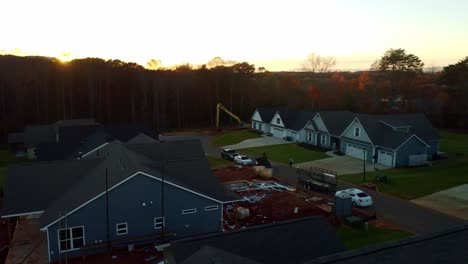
column 273, row 34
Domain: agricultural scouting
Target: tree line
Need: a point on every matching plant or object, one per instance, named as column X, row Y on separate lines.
column 38, row 90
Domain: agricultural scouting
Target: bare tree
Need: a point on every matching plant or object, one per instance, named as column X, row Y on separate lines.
column 316, row 63
column 327, row 64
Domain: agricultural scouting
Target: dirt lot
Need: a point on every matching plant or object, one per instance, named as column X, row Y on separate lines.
column 275, row 205
column 453, row 201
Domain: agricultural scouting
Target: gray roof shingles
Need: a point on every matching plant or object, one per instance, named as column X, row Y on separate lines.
column 447, row 246
column 294, row 241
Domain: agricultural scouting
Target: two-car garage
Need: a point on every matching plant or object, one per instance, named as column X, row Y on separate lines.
column 355, row 151
column 384, row 157
column 278, row 132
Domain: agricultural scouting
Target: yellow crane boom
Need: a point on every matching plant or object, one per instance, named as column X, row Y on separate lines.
column 219, row 107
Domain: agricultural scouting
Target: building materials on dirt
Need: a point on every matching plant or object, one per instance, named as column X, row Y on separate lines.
column 317, row 179
column 263, row 172
column 242, row 213
column 238, row 185
column 315, row 199
column 255, row 198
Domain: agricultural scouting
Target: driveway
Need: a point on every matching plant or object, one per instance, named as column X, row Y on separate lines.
column 258, row 142
column 407, row 215
column 453, row 201
column 342, row 165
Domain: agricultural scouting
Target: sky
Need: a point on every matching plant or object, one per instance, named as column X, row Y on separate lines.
column 277, row 35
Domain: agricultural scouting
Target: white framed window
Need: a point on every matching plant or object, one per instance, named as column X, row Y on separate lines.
column 357, row 131
column 159, row 222
column 189, row 211
column 323, row 139
column 71, row 238
column 278, row 121
column 211, row 208
column 259, row 126
column 121, row 229
column 310, row 136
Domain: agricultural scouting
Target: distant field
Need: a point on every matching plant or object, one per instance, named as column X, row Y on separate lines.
column 282, row 153
column 411, row 183
column 235, row 137
column 357, row 238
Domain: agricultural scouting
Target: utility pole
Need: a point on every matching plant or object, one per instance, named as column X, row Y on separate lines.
column 364, row 165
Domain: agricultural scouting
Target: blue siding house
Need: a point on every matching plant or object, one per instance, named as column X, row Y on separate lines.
column 132, row 194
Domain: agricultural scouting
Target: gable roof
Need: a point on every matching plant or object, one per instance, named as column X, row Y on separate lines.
column 31, row 187
column 295, row 119
column 448, row 246
column 336, row 121
column 76, row 139
column 209, row 254
column 292, row 241
column 266, row 113
column 420, row 125
column 71, row 183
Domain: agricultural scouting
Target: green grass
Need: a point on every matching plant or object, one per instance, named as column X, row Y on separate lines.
column 356, row 238
column 235, row 137
column 216, row 163
column 282, row 153
column 411, row 183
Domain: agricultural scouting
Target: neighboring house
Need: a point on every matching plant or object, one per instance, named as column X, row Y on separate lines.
column 294, row 241
column 447, row 246
column 118, row 198
column 89, row 140
column 28, row 140
column 261, row 119
column 390, row 140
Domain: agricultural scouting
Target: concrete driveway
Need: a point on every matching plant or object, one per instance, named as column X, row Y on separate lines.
column 342, row 165
column 258, row 142
column 453, row 201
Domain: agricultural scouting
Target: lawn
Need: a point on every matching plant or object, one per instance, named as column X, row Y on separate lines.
column 355, row 238
column 216, row 163
column 235, row 137
column 411, row 183
column 282, row 153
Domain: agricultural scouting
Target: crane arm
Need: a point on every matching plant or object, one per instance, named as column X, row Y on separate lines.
column 219, row 107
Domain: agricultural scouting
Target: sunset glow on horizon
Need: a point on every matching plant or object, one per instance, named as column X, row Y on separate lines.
column 273, row 34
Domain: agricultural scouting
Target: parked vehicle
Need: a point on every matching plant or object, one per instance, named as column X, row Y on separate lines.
column 228, row 154
column 359, row 198
column 243, row 160
column 262, row 161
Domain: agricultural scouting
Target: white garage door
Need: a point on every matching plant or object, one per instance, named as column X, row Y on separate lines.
column 355, row 151
column 278, row 132
column 385, row 158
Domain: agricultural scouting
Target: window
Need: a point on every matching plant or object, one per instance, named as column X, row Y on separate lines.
column 71, row 238
column 278, row 121
column 210, row 208
column 310, row 136
column 159, row 222
column 189, row 211
column 121, row 229
column 357, row 131
column 323, row 139
column 259, row 126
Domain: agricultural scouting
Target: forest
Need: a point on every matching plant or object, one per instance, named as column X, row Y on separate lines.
column 39, row 90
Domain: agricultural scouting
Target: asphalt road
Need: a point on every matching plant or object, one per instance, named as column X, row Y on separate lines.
column 400, row 212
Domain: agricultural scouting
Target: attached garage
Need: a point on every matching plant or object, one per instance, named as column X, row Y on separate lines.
column 278, row 132
column 355, row 151
column 385, row 158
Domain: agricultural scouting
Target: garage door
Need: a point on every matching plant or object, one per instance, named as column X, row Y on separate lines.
column 354, row 151
column 278, row 132
column 385, row 158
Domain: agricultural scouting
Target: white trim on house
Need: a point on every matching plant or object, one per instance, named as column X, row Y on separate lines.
column 211, row 207
column 394, row 158
column 93, row 150
column 22, row 214
column 394, row 127
column 71, row 239
column 350, row 124
column 414, row 135
column 125, row 180
column 163, row 222
column 117, row 229
column 189, row 211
